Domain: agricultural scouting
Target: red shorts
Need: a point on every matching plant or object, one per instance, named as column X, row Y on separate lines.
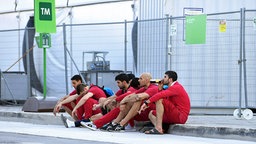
column 143, row 116
column 172, row 115
column 69, row 105
column 85, row 111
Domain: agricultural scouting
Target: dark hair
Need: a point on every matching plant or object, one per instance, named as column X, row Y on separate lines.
column 172, row 74
column 122, row 77
column 80, row 88
column 135, row 83
column 77, row 78
column 130, row 76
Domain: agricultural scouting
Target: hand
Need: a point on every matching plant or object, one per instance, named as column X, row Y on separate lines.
column 57, row 108
column 114, row 103
column 74, row 113
column 96, row 106
column 160, row 85
column 142, row 108
column 106, row 103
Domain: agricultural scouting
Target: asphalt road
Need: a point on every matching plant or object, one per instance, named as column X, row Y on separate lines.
column 15, row 138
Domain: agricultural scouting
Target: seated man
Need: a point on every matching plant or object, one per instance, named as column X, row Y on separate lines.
column 103, row 122
column 122, row 81
column 86, row 98
column 172, row 105
column 68, row 107
column 130, row 105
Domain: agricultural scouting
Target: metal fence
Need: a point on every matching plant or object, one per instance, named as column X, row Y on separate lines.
column 217, row 74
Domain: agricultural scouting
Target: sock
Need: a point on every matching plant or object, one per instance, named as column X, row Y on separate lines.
column 78, row 123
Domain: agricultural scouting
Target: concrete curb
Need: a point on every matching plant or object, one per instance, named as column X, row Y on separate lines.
column 214, row 132
column 189, row 129
column 34, row 118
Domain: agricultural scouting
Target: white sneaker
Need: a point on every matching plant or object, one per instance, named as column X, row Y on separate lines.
column 89, row 125
column 67, row 123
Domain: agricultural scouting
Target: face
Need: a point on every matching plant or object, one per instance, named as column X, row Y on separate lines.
column 166, row 79
column 75, row 83
column 120, row 84
column 143, row 81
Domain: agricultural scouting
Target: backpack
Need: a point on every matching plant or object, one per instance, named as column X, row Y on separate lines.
column 108, row 91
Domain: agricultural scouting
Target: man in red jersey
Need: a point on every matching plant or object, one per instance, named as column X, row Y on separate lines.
column 130, row 105
column 125, row 89
column 68, row 107
column 86, row 98
column 172, row 104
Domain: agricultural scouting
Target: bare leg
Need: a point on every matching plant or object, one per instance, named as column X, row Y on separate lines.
column 132, row 112
column 124, row 109
column 96, row 116
column 152, row 118
column 69, row 111
column 159, row 115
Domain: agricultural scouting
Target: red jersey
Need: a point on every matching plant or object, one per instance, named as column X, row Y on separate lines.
column 97, row 92
column 151, row 90
column 129, row 91
column 72, row 93
column 177, row 95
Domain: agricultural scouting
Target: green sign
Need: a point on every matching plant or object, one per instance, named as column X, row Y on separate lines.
column 43, row 40
column 196, row 29
column 45, row 18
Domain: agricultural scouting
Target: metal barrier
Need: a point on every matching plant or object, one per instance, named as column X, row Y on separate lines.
column 218, row 74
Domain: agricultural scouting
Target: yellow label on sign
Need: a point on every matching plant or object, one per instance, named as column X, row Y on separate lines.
column 222, row 26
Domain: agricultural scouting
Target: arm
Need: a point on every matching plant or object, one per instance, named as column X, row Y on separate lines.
column 82, row 101
column 166, row 93
column 134, row 97
column 64, row 101
column 121, row 97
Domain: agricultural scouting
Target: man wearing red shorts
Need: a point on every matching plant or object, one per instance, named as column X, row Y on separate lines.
column 68, row 107
column 125, row 89
column 172, row 104
column 130, row 105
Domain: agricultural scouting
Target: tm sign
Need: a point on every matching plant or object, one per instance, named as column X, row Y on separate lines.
column 45, row 19
column 45, row 11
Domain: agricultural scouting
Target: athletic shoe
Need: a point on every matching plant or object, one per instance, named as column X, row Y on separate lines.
column 64, row 120
column 89, row 125
column 119, row 128
column 111, row 127
column 67, row 123
column 104, row 128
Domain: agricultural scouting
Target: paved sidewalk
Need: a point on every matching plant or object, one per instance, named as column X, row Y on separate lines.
column 213, row 126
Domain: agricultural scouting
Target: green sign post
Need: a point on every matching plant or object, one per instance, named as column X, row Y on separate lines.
column 45, row 23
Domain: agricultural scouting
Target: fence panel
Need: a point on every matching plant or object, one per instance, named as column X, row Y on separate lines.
column 250, row 56
column 209, row 71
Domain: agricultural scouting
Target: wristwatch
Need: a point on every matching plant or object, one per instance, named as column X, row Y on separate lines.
column 145, row 102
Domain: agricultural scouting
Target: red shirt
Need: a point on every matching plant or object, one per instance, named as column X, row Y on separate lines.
column 177, row 95
column 72, row 93
column 129, row 91
column 97, row 92
column 151, row 90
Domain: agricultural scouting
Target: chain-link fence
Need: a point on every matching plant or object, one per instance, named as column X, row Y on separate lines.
column 215, row 74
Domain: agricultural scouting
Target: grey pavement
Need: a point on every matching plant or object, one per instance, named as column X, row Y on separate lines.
column 211, row 126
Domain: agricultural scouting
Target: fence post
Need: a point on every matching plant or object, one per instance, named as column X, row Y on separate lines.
column 125, row 46
column 167, row 42
column 244, row 59
column 65, row 56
